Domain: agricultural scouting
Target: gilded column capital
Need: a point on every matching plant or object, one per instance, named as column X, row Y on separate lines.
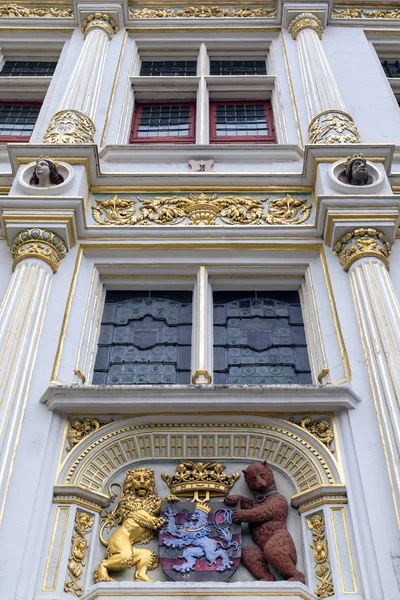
column 305, row 21
column 361, row 243
column 333, row 127
column 39, row 243
column 70, row 127
column 99, row 21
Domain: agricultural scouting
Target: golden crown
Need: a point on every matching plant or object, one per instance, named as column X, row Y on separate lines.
column 204, row 507
column 55, row 163
column 351, row 159
column 208, row 477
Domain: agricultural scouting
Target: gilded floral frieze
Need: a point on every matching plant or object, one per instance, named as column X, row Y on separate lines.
column 202, row 12
column 15, row 11
column 365, row 13
column 201, row 209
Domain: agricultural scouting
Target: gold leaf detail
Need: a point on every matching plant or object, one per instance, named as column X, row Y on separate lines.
column 16, row 11
column 79, row 546
column 202, row 12
column 320, row 551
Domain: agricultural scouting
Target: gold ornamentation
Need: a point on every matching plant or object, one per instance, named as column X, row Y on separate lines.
column 321, row 429
column 305, row 21
column 16, row 11
column 80, row 428
column 202, row 12
column 99, row 21
column 320, row 550
column 201, row 209
column 199, row 373
column 361, row 13
column 39, row 243
column 360, row 243
column 333, row 127
column 69, row 127
column 137, row 514
column 207, row 477
column 79, row 546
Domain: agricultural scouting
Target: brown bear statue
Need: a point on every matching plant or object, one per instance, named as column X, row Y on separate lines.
column 266, row 515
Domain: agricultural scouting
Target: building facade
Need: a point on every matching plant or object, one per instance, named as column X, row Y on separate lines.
column 199, row 213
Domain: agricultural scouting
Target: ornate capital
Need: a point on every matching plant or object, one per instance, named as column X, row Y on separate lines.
column 333, row 127
column 360, row 243
column 69, row 127
column 39, row 243
column 305, row 21
column 99, row 21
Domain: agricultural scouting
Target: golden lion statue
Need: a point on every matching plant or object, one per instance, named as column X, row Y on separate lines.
column 137, row 513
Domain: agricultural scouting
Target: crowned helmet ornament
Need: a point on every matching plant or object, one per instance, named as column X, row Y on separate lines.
column 207, row 477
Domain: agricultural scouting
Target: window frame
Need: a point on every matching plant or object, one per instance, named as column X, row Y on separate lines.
column 18, row 138
column 189, row 139
column 240, row 139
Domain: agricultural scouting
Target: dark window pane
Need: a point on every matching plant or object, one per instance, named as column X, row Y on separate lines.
column 255, row 341
column 170, row 68
column 145, row 338
column 392, row 68
column 23, row 68
column 238, row 67
column 164, row 121
column 18, row 120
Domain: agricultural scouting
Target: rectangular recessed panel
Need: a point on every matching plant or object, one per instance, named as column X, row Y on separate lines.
column 168, row 68
column 238, row 67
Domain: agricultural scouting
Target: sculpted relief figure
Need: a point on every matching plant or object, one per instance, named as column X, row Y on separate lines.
column 266, row 515
column 45, row 174
column 356, row 171
column 137, row 515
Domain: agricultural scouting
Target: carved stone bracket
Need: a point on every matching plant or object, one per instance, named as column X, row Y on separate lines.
column 360, row 243
column 202, row 12
column 70, row 127
column 99, row 21
column 39, row 243
column 305, row 21
column 319, row 546
column 333, row 127
column 79, row 546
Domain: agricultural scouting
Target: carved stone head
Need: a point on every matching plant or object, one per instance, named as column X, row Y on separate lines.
column 356, row 171
column 45, row 174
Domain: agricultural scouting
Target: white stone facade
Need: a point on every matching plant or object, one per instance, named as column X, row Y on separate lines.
column 60, row 251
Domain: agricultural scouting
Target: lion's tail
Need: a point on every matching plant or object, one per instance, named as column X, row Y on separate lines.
column 102, row 539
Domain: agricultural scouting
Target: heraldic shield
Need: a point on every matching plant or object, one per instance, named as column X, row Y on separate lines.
column 199, row 541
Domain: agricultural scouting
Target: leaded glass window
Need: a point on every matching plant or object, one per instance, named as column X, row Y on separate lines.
column 259, row 338
column 238, row 67
column 172, row 122
column 18, row 120
column 145, row 338
column 168, row 68
column 28, row 68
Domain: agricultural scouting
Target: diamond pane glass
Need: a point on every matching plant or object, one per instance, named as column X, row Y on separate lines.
column 238, row 67
column 259, row 339
column 18, row 120
column 145, row 338
column 241, row 120
column 23, row 68
column 168, row 68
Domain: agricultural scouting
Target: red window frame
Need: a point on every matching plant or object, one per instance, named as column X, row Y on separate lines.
column 17, row 138
column 239, row 139
column 189, row 139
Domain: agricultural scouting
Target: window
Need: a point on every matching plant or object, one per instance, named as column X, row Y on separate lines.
column 168, row 68
column 259, row 338
column 22, row 68
column 17, row 120
column 145, row 338
column 164, row 123
column 241, row 122
column 391, row 68
column 238, row 67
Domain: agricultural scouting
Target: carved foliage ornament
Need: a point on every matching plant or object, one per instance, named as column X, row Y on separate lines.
column 69, row 127
column 333, row 127
column 39, row 243
column 99, row 21
column 320, row 429
column 362, row 242
column 80, row 428
column 16, row 11
column 365, row 13
column 320, row 551
column 305, row 21
column 201, row 209
column 202, row 12
column 79, row 546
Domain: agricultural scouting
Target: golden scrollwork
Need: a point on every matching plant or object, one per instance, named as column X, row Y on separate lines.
column 333, row 127
column 360, row 243
column 305, row 21
column 137, row 516
column 79, row 545
column 202, row 12
column 99, row 21
column 320, row 551
column 365, row 13
column 39, row 243
column 207, row 477
column 16, row 11
column 201, row 209
column 80, row 428
column 320, row 429
column 69, row 127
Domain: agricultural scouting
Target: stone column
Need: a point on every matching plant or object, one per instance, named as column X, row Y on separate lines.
column 37, row 254
column 73, row 123
column 329, row 121
column 364, row 253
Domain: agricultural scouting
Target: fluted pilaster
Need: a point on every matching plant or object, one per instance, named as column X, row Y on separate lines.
column 329, row 123
column 364, row 253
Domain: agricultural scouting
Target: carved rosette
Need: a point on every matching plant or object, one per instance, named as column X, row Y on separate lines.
column 319, row 547
column 99, row 21
column 333, row 127
column 361, row 243
column 70, row 127
column 39, row 243
column 305, row 21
